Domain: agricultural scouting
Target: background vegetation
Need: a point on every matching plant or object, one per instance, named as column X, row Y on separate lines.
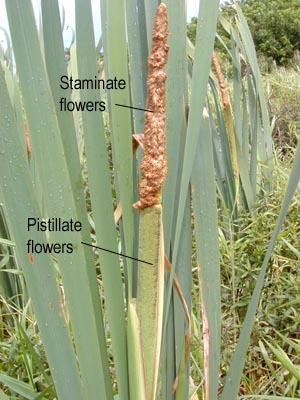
column 274, row 25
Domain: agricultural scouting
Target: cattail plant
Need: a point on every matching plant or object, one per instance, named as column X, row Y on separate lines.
column 153, row 173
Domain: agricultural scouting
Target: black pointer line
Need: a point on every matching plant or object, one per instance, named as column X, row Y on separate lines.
column 135, row 108
column 119, row 254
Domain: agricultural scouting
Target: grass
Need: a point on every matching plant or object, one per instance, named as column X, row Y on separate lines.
column 283, row 88
column 277, row 313
column 281, row 289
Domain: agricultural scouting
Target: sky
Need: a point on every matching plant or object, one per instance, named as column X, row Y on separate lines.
column 192, row 10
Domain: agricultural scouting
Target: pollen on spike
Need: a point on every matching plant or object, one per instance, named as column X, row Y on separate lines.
column 154, row 162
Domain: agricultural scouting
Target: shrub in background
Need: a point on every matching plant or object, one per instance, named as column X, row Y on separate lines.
column 274, row 24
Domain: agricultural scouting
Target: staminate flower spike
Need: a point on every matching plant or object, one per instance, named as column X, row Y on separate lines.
column 149, row 303
column 154, row 163
column 228, row 117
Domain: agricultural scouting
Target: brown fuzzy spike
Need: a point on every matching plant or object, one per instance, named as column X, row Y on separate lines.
column 154, row 163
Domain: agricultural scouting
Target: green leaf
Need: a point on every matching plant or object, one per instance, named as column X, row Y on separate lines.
column 58, row 199
column 285, row 361
column 138, row 53
column 208, row 11
column 21, row 388
column 176, row 106
column 207, row 242
column 101, row 196
column 266, row 149
column 40, row 276
column 116, row 62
